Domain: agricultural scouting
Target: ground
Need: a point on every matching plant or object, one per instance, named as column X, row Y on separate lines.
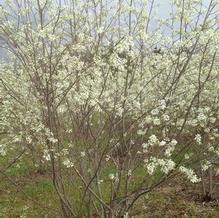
column 29, row 194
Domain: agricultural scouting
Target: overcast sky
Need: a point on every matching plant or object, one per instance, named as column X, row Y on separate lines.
column 163, row 10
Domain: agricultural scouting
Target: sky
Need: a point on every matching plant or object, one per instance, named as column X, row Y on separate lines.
column 163, row 11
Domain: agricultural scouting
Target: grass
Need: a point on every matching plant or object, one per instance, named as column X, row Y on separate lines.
column 37, row 188
column 170, row 200
column 15, row 204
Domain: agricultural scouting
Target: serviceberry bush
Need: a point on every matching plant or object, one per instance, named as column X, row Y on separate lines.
column 110, row 97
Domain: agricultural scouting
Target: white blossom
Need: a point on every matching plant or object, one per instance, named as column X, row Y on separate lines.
column 190, row 174
column 68, row 163
column 198, row 138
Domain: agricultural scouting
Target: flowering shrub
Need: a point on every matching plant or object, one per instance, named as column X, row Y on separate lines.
column 86, row 91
